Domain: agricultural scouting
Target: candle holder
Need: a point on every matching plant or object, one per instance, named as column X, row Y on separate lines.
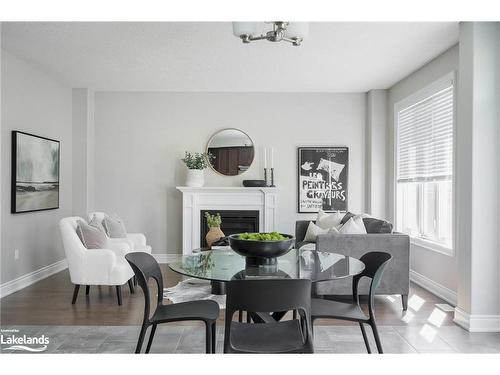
column 272, row 177
column 265, row 176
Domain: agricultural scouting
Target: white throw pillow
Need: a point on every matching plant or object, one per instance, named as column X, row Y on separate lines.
column 313, row 231
column 327, row 221
column 335, row 230
column 96, row 223
column 354, row 225
column 114, row 226
column 308, row 246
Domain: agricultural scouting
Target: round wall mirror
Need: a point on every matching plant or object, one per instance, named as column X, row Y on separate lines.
column 232, row 152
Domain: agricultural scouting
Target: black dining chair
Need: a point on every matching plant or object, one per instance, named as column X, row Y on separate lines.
column 145, row 267
column 375, row 263
column 263, row 297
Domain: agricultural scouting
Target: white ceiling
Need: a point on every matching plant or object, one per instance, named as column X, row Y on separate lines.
column 190, row 56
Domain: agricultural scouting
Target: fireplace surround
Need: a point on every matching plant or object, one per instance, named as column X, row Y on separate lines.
column 263, row 200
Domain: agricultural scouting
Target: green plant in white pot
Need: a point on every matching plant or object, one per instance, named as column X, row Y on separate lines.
column 196, row 164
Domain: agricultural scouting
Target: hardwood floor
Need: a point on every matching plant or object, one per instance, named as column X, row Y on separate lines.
column 48, row 302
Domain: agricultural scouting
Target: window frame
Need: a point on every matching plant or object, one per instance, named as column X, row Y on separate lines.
column 408, row 101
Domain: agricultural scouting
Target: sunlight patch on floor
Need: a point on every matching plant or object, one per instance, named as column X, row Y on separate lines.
column 428, row 333
column 416, row 302
column 408, row 316
column 437, row 317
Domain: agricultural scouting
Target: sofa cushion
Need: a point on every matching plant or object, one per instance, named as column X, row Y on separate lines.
column 373, row 225
column 327, row 221
column 308, row 246
column 299, row 244
column 114, row 227
column 97, row 223
column 313, row 231
column 91, row 237
column 346, row 217
column 354, row 225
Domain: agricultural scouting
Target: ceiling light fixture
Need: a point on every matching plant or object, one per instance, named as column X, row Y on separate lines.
column 293, row 32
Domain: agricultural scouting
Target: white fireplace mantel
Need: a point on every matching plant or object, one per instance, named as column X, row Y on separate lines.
column 195, row 199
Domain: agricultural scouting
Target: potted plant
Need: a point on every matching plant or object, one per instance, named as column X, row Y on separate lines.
column 196, row 163
column 214, row 232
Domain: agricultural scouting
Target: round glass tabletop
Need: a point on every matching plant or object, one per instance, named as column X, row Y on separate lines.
column 226, row 265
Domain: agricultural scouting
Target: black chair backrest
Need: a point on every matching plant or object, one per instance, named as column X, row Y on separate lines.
column 146, row 267
column 375, row 263
column 269, row 296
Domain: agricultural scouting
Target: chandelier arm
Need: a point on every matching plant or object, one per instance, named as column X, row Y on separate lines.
column 294, row 41
column 258, row 37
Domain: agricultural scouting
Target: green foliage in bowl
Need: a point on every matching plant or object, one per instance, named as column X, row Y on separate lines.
column 273, row 236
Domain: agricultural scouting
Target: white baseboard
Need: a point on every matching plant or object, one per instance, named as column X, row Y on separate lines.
column 166, row 258
column 30, row 278
column 448, row 295
column 477, row 323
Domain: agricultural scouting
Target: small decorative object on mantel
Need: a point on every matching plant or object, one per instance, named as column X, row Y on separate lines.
column 268, row 155
column 254, row 183
column 196, row 163
column 322, row 179
column 215, row 233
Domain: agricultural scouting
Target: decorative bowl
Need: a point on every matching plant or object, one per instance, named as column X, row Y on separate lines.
column 261, row 252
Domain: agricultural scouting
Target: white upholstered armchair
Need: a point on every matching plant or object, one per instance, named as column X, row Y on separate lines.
column 95, row 266
column 137, row 241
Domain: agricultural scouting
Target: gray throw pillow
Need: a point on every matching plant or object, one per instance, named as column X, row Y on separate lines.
column 91, row 237
column 346, row 217
column 114, row 227
column 373, row 225
column 96, row 223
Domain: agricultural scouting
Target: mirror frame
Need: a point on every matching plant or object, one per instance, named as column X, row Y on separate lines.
column 210, row 140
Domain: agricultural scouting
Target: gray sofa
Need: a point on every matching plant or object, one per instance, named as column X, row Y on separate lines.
column 396, row 278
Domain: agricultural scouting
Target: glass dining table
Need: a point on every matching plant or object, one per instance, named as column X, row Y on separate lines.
column 223, row 265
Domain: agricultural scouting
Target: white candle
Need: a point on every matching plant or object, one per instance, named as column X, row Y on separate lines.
column 265, row 157
column 271, row 157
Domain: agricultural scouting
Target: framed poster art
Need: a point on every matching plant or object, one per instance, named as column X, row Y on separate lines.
column 35, row 173
column 322, row 179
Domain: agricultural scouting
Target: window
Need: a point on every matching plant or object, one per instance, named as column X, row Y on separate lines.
column 424, row 176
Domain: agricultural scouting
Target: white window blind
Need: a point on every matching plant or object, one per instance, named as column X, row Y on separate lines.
column 425, row 138
column 424, row 165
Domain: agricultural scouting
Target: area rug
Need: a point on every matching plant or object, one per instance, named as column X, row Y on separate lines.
column 193, row 290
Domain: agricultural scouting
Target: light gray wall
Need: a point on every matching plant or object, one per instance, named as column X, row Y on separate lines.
column 141, row 137
column 478, row 192
column 35, row 103
column 438, row 267
column 83, row 151
column 376, row 163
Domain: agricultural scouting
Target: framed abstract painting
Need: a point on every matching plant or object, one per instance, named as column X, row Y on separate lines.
column 35, row 173
column 322, row 179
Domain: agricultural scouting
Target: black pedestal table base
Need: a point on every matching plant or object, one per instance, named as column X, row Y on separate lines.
column 218, row 287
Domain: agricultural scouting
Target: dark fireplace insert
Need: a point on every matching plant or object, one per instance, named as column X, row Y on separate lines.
column 233, row 221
